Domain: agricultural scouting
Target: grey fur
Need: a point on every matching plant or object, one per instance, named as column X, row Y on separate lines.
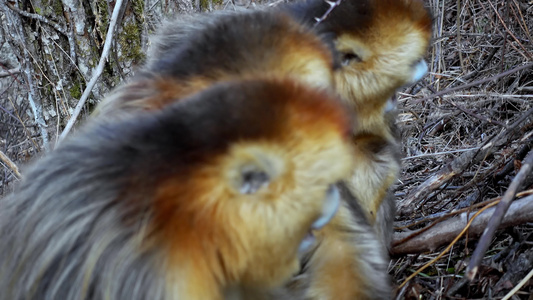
column 80, row 225
column 61, row 228
column 176, row 31
column 374, row 257
column 173, row 32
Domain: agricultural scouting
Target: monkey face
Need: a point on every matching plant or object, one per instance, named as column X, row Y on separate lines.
column 385, row 53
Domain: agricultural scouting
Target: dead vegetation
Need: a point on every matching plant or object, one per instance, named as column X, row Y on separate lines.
column 467, row 129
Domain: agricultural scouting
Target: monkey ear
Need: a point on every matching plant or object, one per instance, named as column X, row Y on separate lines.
column 253, row 168
column 252, row 178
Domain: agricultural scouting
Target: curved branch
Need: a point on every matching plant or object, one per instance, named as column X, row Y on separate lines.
column 497, row 216
column 520, row 211
column 97, row 72
column 40, row 18
column 10, row 164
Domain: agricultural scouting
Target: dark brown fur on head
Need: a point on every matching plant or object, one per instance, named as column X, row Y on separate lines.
column 358, row 16
column 235, row 46
column 160, row 207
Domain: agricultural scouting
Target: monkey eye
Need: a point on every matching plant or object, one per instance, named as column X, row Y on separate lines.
column 348, row 57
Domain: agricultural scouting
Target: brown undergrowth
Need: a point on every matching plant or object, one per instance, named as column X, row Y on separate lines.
column 466, row 129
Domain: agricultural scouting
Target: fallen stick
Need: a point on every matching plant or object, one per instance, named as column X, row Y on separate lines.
column 520, row 211
column 475, row 83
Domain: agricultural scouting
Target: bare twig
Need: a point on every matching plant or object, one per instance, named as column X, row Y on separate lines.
column 439, row 153
column 23, row 125
column 459, row 44
column 97, row 72
column 498, row 216
column 523, row 22
column 33, row 96
column 460, row 163
column 482, row 118
column 475, row 83
column 509, row 31
column 520, row 212
column 519, row 285
column 332, row 5
column 10, row 164
column 484, row 64
column 441, row 216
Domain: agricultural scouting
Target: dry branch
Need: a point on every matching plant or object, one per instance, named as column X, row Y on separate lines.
column 475, row 83
column 10, row 164
column 97, row 72
column 498, row 215
column 449, row 247
column 518, row 286
column 509, row 31
column 520, row 211
column 332, row 5
column 40, row 18
column 34, row 99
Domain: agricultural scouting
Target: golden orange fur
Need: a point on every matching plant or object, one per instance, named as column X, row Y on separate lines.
column 381, row 45
column 349, row 263
column 379, row 57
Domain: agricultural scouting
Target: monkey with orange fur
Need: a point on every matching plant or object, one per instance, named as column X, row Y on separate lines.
column 381, row 45
column 212, row 195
